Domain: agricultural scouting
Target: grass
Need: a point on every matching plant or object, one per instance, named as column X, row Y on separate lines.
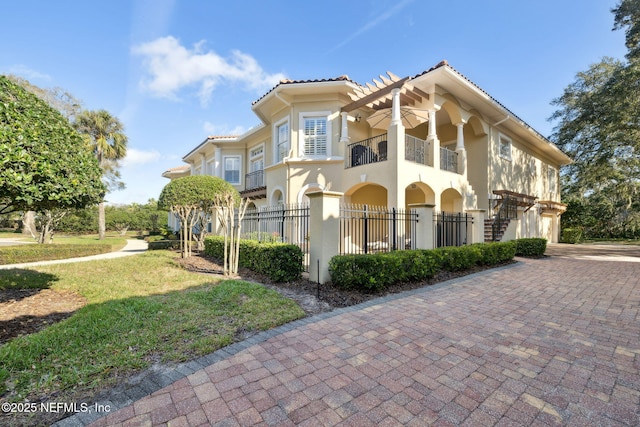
column 62, row 247
column 140, row 310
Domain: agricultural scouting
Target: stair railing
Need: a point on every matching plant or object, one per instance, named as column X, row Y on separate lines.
column 507, row 211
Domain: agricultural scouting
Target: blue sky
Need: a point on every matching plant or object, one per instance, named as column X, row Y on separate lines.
column 176, row 71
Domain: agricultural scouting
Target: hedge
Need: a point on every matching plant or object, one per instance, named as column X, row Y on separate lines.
column 35, row 252
column 163, row 244
column 531, row 247
column 571, row 235
column 280, row 262
column 376, row 272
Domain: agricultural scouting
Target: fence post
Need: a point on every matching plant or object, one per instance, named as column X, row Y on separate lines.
column 324, row 232
column 424, row 226
column 477, row 228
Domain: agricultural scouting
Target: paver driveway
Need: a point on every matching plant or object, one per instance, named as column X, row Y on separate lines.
column 553, row 341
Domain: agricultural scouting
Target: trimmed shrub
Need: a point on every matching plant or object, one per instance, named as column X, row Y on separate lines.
column 281, row 262
column 531, row 247
column 572, row 235
column 496, row 253
column 155, row 245
column 33, row 252
column 459, row 258
column 375, row 272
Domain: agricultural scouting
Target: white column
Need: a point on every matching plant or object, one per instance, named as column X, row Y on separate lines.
column 193, row 168
column 462, row 153
column 344, row 132
column 432, row 139
column 432, row 125
column 395, row 107
column 460, row 139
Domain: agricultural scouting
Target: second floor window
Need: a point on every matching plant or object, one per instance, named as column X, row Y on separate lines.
column 315, row 136
column 505, row 148
column 232, row 169
column 282, row 141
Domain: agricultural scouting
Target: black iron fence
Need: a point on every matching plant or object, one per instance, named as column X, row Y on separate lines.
column 281, row 223
column 369, row 229
column 451, row 229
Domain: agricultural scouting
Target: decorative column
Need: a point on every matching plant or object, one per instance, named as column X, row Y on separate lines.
column 462, row 152
column 395, row 107
column 344, row 132
column 324, row 232
column 395, row 154
column 432, row 139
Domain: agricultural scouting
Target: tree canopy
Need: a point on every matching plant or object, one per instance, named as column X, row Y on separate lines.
column 599, row 127
column 44, row 162
column 105, row 136
column 192, row 199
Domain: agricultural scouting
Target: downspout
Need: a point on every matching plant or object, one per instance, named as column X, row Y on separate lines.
column 284, row 101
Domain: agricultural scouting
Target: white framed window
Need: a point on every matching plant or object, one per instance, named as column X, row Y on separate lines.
column 504, row 147
column 315, row 134
column 552, row 174
column 232, row 169
column 282, row 140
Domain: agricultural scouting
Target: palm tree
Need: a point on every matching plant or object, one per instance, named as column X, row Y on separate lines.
column 105, row 135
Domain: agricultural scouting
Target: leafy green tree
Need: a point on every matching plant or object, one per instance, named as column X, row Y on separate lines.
column 44, row 163
column 599, row 127
column 192, row 199
column 627, row 17
column 105, row 135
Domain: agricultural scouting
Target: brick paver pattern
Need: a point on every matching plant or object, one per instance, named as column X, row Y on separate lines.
column 545, row 342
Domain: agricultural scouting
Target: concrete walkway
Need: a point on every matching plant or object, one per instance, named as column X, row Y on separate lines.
column 132, row 247
column 544, row 342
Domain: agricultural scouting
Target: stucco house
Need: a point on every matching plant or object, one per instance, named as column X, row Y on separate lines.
column 435, row 138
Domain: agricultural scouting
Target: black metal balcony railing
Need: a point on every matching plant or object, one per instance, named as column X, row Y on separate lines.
column 371, row 150
column 254, row 180
column 416, row 150
column 448, row 160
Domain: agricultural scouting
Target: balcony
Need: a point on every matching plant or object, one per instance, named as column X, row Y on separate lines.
column 417, row 150
column 371, row 150
column 448, row 160
column 254, row 186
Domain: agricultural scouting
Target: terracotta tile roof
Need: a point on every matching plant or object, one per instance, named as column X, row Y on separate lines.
column 178, row 168
column 445, row 63
column 343, row 78
column 223, row 136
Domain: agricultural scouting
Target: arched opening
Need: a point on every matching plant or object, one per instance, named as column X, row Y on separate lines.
column 419, row 193
column 277, row 198
column 450, row 201
column 368, row 194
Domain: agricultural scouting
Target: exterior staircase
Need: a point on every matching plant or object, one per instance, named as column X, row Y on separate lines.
column 488, row 230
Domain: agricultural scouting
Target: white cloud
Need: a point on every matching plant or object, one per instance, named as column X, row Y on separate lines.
column 170, row 67
column 213, row 129
column 140, row 157
column 27, row 73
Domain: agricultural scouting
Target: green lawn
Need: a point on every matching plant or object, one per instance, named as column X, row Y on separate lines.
column 140, row 309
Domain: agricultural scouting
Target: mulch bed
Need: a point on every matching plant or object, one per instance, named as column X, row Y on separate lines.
column 325, row 297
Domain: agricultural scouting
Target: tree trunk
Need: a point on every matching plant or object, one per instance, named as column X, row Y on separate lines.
column 29, row 223
column 101, row 221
